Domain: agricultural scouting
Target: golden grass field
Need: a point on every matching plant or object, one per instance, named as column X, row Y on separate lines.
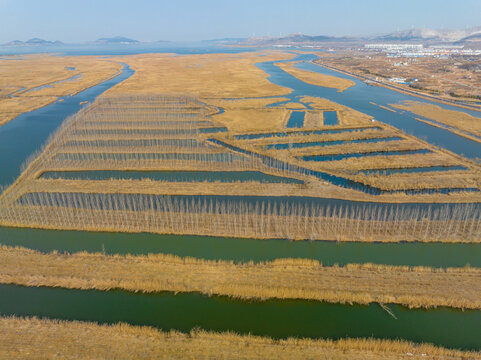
column 457, row 119
column 32, row 71
column 221, row 76
column 315, row 78
column 280, row 279
column 46, row 339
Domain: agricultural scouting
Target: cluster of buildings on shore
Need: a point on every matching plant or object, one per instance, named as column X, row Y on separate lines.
column 418, row 50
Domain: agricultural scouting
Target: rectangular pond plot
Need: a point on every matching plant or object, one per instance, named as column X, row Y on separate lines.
column 133, row 142
column 327, row 143
column 336, row 157
column 144, row 123
column 412, row 170
column 330, row 118
column 296, row 120
column 303, row 132
column 172, row 176
column 210, row 157
column 135, row 131
column 127, row 131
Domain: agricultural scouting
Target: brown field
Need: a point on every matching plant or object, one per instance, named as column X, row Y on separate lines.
column 32, row 71
column 456, row 179
column 46, row 339
column 315, row 78
column 457, row 119
column 451, row 78
column 221, row 76
column 281, row 278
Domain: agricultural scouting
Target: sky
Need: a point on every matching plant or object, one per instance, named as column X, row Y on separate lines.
column 191, row 20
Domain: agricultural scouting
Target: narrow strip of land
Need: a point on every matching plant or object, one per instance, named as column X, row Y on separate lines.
column 46, row 339
column 317, row 79
column 281, row 279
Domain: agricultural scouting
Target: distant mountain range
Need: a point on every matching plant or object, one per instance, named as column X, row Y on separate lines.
column 425, row 36
column 33, row 42
column 42, row 42
column 468, row 37
column 116, row 40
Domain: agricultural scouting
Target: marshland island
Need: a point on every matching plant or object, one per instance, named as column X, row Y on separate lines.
column 259, row 203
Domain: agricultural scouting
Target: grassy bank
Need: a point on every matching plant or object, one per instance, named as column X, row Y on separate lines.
column 46, row 339
column 281, row 279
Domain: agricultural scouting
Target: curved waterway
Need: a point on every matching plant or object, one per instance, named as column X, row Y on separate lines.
column 22, row 136
column 274, row 318
column 360, row 96
column 243, row 250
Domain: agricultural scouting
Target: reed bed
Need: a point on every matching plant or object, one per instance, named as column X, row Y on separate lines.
column 281, row 279
column 235, row 216
column 46, row 339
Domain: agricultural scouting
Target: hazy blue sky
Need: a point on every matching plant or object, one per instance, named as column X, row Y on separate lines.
column 149, row 20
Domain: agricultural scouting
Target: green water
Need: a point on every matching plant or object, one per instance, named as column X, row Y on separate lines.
column 172, row 176
column 242, row 250
column 278, row 319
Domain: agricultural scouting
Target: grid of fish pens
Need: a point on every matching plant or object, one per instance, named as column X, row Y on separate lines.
column 168, row 133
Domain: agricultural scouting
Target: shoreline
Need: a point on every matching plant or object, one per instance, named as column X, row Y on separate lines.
column 400, row 90
column 86, row 339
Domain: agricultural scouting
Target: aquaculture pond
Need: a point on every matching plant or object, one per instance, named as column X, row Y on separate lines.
column 274, row 318
column 127, row 131
column 217, row 157
column 296, row 120
column 243, row 250
column 412, row 170
column 172, row 176
column 330, row 118
column 300, row 145
column 303, row 132
column 336, row 157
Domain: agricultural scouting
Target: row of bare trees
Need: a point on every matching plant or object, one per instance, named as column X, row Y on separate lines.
column 268, row 217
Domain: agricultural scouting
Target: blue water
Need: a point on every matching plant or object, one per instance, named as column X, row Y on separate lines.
column 182, row 48
column 132, row 142
column 25, row 134
column 330, row 118
column 296, row 120
column 140, row 131
column 72, row 78
column 412, row 170
column 336, row 157
column 328, row 143
column 163, row 123
column 306, row 132
column 218, row 157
